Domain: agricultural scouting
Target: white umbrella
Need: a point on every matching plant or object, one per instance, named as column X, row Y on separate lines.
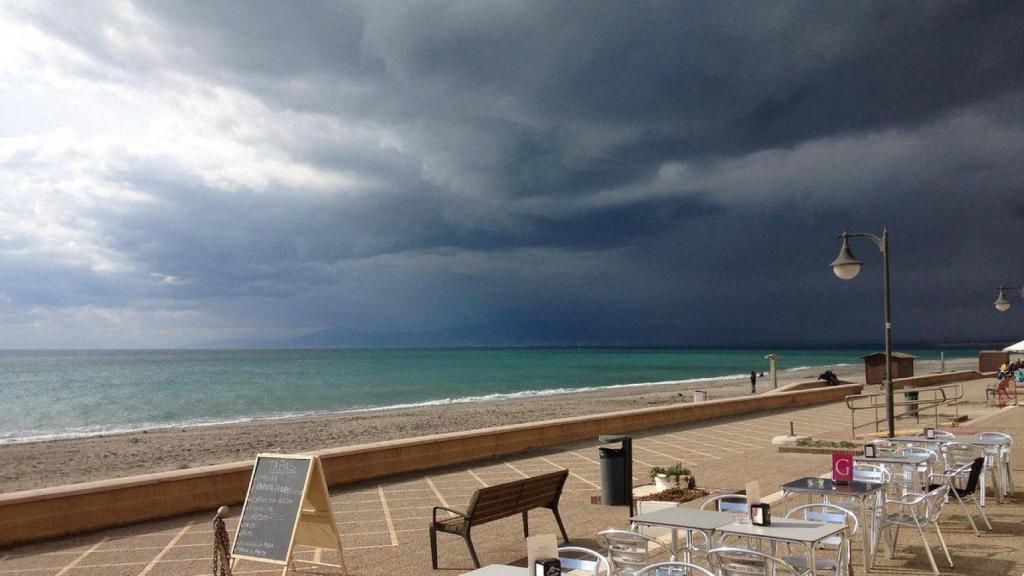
column 1018, row 347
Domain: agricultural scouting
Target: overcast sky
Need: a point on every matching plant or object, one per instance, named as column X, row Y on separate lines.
column 179, row 173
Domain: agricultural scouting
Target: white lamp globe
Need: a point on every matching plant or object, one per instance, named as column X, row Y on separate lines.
column 1001, row 303
column 846, row 266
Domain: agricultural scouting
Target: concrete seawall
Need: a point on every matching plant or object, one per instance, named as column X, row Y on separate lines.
column 32, row 515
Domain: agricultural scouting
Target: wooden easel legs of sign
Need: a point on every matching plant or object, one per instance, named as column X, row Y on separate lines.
column 315, row 525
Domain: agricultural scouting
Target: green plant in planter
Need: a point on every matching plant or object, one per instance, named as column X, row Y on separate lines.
column 812, row 443
column 675, row 472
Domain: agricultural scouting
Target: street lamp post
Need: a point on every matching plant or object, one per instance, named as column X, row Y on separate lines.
column 846, row 266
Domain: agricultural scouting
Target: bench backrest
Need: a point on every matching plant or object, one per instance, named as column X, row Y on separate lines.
column 504, row 500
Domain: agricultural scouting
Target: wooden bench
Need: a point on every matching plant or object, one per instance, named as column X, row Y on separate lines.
column 501, row 501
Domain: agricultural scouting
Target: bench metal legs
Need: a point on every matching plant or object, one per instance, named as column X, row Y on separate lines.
column 433, row 548
column 469, row 542
column 472, row 551
column 561, row 527
column 558, row 520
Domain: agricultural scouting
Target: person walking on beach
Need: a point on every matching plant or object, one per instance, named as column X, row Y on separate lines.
column 753, row 382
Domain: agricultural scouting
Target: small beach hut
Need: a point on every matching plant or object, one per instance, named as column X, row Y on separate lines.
column 874, row 367
column 992, row 360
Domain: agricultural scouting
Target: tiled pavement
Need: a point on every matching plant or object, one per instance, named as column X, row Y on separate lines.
column 383, row 524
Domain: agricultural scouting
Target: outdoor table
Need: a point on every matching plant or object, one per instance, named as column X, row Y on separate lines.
column 689, row 519
column 498, row 570
column 1000, row 479
column 910, row 462
column 786, row 530
column 856, row 489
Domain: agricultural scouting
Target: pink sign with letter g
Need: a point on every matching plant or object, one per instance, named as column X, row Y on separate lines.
column 842, row 467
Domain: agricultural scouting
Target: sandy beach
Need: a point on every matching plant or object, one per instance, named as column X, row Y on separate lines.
column 73, row 460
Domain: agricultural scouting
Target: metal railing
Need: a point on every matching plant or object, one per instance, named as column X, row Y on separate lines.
column 915, row 401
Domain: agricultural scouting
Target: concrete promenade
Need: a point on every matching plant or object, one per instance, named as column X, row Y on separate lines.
column 384, row 522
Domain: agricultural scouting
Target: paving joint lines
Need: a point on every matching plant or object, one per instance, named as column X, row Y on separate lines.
column 396, row 513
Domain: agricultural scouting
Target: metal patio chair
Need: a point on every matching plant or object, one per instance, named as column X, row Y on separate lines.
column 735, row 503
column 627, row 552
column 827, row 514
column 885, row 446
column 674, row 569
column 583, row 559
column 999, row 457
column 727, row 503
column 745, row 562
column 915, row 511
column 919, row 477
column 871, row 473
column 863, row 473
column 967, row 474
column 960, row 454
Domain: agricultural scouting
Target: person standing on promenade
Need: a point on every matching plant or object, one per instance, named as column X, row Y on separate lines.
column 753, row 382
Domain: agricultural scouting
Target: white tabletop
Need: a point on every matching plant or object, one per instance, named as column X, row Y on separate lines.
column 909, row 459
column 785, row 529
column 502, row 570
column 498, row 570
column 856, row 488
column 685, row 518
column 946, row 440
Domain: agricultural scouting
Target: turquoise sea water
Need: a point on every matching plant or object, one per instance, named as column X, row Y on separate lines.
column 65, row 393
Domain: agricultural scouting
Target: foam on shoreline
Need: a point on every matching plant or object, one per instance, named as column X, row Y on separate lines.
column 496, row 397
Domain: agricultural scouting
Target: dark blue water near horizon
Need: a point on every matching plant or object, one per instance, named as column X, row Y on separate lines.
column 79, row 392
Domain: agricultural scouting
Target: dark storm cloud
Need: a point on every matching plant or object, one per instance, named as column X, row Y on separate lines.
column 646, row 172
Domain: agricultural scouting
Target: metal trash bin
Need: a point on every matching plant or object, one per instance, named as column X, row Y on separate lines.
column 700, row 395
column 911, row 409
column 616, row 471
column 613, row 476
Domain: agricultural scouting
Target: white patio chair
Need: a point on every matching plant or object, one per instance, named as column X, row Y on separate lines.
column 673, row 569
column 863, row 473
column 727, row 503
column 968, row 476
column 995, row 455
column 735, row 503
column 827, row 514
column 627, row 552
column 585, row 559
column 915, row 511
column 959, row 454
column 885, row 447
column 871, row 473
column 921, row 471
column 745, row 562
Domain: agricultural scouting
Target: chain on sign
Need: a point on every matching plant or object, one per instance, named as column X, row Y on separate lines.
column 221, row 546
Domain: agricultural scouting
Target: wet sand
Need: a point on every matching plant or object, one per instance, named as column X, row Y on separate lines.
column 73, row 460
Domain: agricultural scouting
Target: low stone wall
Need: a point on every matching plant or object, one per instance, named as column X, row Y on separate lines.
column 50, row 512
column 935, row 379
column 806, row 385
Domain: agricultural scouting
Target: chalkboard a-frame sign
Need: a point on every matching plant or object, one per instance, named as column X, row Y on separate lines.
column 287, row 504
